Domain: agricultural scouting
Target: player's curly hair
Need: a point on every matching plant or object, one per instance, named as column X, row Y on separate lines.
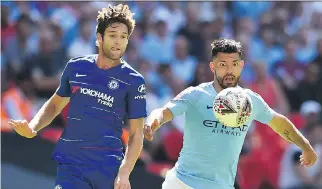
column 119, row 13
column 224, row 45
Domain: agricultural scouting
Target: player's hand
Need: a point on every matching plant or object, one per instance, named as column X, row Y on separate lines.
column 122, row 181
column 308, row 157
column 150, row 128
column 22, row 128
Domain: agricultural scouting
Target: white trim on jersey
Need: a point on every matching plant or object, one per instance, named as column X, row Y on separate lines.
column 79, row 82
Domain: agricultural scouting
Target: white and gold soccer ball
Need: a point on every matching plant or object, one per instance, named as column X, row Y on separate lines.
column 233, row 107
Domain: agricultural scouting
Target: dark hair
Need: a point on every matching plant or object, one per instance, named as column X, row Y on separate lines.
column 113, row 14
column 225, row 46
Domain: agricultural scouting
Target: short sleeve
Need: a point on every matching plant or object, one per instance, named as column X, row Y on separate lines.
column 182, row 102
column 64, row 89
column 262, row 112
column 136, row 101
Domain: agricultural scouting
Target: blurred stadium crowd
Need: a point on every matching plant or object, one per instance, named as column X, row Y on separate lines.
column 170, row 46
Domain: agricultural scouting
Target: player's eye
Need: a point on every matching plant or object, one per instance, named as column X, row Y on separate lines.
column 236, row 64
column 113, row 36
column 222, row 64
column 124, row 37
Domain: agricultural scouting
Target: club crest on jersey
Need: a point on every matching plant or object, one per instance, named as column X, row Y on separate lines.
column 113, row 84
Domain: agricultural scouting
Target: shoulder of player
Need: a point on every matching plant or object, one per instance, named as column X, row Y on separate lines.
column 86, row 59
column 133, row 76
column 193, row 90
column 251, row 93
column 257, row 100
column 204, row 88
column 193, row 94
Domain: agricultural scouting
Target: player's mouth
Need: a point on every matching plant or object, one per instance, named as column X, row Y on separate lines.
column 229, row 79
column 115, row 49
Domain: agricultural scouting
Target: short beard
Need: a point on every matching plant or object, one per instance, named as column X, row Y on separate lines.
column 107, row 54
column 110, row 57
column 221, row 81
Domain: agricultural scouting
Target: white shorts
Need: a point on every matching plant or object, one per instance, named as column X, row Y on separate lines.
column 172, row 182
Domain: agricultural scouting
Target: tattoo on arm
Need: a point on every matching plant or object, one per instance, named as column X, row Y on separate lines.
column 286, row 133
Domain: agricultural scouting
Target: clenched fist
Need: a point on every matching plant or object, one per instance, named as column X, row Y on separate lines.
column 150, row 127
column 308, row 157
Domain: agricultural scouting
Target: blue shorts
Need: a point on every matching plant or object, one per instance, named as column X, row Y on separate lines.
column 70, row 176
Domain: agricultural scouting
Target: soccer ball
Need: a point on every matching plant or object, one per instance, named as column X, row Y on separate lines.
column 232, row 107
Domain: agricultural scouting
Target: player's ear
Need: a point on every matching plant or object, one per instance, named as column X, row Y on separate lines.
column 241, row 64
column 99, row 39
column 212, row 66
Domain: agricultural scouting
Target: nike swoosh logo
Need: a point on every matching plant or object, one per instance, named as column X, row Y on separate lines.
column 79, row 75
column 209, row 107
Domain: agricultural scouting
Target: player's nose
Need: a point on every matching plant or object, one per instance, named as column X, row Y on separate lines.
column 116, row 44
column 117, row 41
column 229, row 70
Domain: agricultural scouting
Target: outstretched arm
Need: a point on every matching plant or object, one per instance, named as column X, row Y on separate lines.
column 156, row 119
column 48, row 111
column 55, row 104
column 177, row 106
column 286, row 129
column 42, row 119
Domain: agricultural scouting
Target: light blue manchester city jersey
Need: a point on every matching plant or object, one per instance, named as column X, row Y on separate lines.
column 210, row 153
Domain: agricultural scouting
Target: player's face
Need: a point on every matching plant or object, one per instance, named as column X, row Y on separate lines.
column 114, row 42
column 227, row 69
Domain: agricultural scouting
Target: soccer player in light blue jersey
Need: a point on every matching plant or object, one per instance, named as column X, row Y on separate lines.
column 210, row 153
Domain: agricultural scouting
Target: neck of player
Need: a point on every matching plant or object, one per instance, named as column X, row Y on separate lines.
column 217, row 86
column 106, row 63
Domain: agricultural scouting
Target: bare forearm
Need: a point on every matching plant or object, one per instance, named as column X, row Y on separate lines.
column 286, row 129
column 162, row 114
column 44, row 116
column 292, row 134
column 133, row 151
column 48, row 112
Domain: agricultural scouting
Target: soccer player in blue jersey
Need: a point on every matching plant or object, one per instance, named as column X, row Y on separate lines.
column 103, row 91
column 210, row 153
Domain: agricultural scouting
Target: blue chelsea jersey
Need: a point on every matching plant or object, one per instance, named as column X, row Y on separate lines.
column 100, row 101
